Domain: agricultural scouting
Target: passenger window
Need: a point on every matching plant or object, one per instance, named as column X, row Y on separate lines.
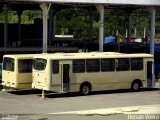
column 107, row 65
column 55, row 66
column 78, row 66
column 123, row 64
column 25, row 66
column 93, row 65
column 136, row 64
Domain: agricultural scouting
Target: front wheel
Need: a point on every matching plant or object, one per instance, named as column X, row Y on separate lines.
column 85, row 89
column 136, row 86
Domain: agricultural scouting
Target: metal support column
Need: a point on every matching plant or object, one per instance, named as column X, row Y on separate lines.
column 5, row 9
column 152, row 31
column 44, row 8
column 100, row 8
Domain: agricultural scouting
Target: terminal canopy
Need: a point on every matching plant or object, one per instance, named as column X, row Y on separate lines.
column 107, row 2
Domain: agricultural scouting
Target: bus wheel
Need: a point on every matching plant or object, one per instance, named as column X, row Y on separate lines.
column 136, row 86
column 85, row 89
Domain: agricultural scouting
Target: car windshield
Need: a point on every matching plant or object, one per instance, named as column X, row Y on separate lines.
column 39, row 64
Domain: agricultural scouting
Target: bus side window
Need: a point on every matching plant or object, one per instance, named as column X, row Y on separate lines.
column 78, row 66
column 25, row 66
column 136, row 64
column 107, row 65
column 123, row 64
column 93, row 65
column 55, row 66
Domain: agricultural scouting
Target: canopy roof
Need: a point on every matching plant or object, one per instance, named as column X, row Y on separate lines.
column 105, row 2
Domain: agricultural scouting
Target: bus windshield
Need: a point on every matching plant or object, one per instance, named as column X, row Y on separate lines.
column 8, row 64
column 39, row 63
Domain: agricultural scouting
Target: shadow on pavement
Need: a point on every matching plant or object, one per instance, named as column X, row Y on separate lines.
column 77, row 94
column 25, row 92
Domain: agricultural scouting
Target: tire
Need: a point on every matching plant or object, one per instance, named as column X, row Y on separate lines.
column 136, row 86
column 85, row 89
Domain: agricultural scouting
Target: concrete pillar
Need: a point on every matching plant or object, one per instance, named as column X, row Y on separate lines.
column 5, row 10
column 100, row 8
column 44, row 8
column 152, row 31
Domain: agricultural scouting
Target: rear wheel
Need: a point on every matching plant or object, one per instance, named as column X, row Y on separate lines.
column 85, row 89
column 136, row 86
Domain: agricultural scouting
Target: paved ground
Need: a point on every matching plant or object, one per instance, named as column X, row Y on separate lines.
column 145, row 112
column 24, row 103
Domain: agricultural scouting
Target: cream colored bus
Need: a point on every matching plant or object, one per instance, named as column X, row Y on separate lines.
column 95, row 71
column 17, row 71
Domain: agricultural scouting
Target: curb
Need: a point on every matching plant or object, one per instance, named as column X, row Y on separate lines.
column 145, row 109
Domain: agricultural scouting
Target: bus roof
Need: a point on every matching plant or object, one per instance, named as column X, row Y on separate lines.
column 20, row 56
column 93, row 55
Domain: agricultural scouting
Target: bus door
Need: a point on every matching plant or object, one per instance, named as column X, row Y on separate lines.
column 60, row 76
column 149, row 74
column 65, row 77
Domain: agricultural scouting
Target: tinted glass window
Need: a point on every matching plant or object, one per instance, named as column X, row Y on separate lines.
column 107, row 65
column 25, row 66
column 55, row 67
column 78, row 66
column 39, row 64
column 136, row 64
column 8, row 64
column 122, row 64
column 93, row 65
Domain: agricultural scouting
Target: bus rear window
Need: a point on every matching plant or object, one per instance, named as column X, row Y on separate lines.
column 8, row 64
column 39, row 64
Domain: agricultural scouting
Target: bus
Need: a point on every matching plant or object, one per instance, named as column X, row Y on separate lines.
column 93, row 71
column 17, row 71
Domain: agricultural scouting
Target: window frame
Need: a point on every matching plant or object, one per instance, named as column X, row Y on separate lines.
column 121, row 66
column 44, row 66
column 138, row 67
column 81, row 67
column 92, row 65
column 26, row 70
column 106, row 64
column 55, row 66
